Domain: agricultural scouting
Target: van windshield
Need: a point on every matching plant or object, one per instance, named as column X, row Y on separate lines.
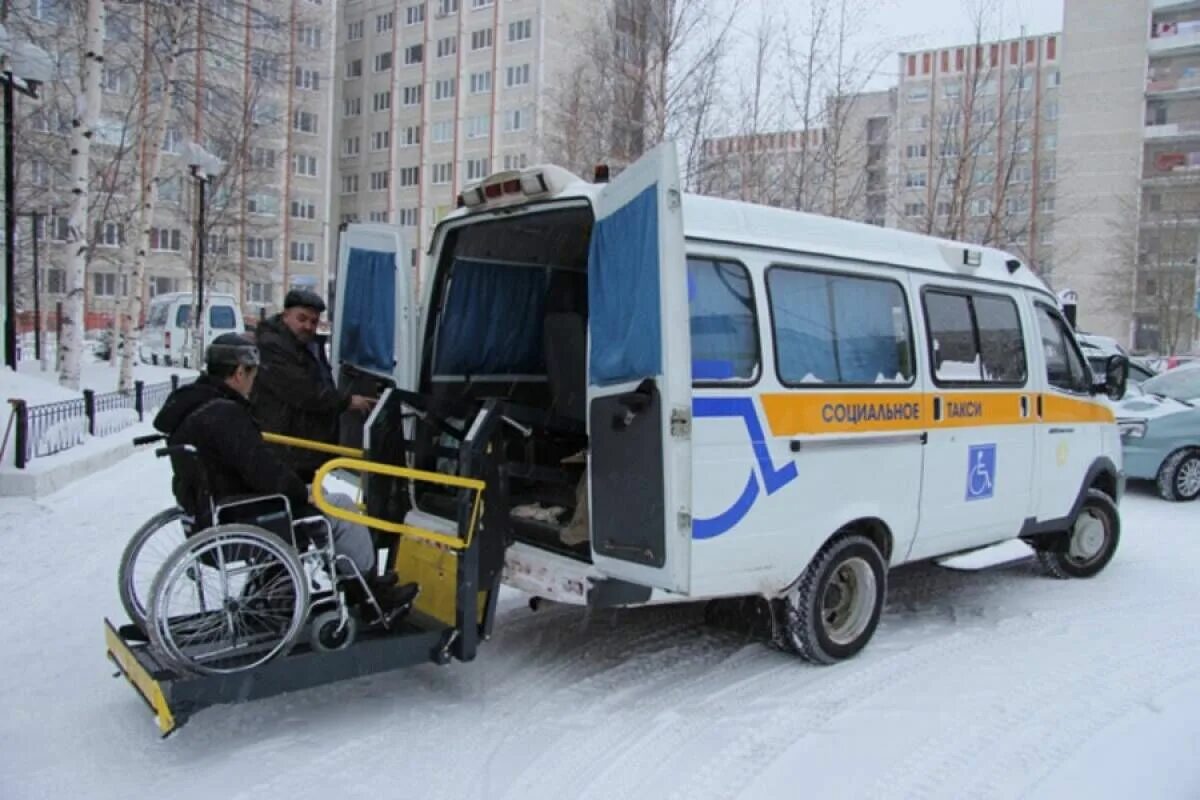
column 157, row 316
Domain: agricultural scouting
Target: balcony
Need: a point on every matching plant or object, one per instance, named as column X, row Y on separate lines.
column 1159, row 6
column 1174, row 88
column 1173, row 130
column 1182, row 39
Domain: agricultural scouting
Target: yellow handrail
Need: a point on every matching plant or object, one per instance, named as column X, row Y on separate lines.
column 393, row 471
column 309, row 444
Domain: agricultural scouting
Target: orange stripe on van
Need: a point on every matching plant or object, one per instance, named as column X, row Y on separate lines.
column 1068, row 409
column 972, row 409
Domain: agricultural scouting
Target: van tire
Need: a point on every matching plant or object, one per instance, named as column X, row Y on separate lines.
column 1180, row 467
column 850, row 575
column 1083, row 555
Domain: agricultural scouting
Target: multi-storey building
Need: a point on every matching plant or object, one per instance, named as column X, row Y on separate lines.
column 975, row 145
column 434, row 95
column 254, row 88
column 1131, row 145
column 840, row 169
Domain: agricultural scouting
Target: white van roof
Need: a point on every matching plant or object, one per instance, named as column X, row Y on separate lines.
column 171, row 297
column 744, row 223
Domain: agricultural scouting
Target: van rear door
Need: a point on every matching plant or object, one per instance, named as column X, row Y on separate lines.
column 639, row 378
column 375, row 316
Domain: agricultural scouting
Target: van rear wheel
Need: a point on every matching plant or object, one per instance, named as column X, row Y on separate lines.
column 832, row 611
column 1090, row 543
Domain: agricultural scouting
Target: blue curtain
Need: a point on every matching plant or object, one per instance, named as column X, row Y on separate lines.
column 863, row 318
column 492, row 320
column 804, row 331
column 623, row 293
column 368, row 323
column 724, row 343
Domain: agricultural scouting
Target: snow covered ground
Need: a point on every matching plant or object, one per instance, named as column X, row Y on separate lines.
column 996, row 684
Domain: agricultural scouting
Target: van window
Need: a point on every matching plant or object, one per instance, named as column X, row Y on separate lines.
column 221, row 318
column 723, row 323
column 839, row 329
column 974, row 338
column 183, row 316
column 157, row 316
column 1065, row 368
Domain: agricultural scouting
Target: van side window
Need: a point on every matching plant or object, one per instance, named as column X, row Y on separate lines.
column 723, row 322
column 975, row 338
column 839, row 329
column 183, row 316
column 1064, row 366
column 221, row 318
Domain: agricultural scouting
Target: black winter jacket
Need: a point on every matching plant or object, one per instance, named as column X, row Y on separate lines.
column 218, row 422
column 294, row 394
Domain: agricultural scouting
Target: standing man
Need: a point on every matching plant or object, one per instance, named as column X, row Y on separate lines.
column 295, row 394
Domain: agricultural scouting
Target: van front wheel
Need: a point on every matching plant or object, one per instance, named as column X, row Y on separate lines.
column 1090, row 543
column 832, row 611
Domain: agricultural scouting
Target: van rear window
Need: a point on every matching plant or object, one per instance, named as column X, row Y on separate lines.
column 221, row 318
column 839, row 329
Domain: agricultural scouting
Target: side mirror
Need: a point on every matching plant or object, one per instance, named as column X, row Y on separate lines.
column 1116, row 377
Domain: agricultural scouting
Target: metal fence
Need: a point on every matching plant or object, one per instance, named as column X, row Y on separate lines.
column 48, row 428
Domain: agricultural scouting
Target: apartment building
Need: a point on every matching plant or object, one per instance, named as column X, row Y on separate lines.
column 1131, row 138
column 254, row 89
column 839, row 169
column 433, row 95
column 976, row 143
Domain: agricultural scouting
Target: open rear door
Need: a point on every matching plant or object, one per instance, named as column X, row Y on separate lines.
column 375, row 314
column 639, row 379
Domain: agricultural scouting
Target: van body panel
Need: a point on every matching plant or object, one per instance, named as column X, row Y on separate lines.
column 639, row 382
column 166, row 337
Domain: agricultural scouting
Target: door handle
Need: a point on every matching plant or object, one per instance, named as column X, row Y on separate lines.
column 937, row 407
column 1024, row 406
column 634, row 403
column 1057, row 431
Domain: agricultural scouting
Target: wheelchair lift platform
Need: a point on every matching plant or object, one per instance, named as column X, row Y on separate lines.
column 175, row 697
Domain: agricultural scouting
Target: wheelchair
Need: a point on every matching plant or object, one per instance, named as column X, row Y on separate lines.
column 237, row 592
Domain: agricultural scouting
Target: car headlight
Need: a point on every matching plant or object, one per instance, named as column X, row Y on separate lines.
column 1132, row 428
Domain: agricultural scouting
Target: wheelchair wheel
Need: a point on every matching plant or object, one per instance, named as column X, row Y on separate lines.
column 227, row 600
column 145, row 554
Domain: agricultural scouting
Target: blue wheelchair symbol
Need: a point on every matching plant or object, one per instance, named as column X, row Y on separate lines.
column 773, row 478
column 981, row 471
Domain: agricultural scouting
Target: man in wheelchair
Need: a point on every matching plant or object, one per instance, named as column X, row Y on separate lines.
column 232, row 461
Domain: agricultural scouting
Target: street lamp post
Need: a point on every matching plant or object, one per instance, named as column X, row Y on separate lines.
column 203, row 165
column 25, row 67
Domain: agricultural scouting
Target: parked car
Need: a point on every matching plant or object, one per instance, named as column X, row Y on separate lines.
column 1160, row 433
column 167, row 336
column 1098, row 349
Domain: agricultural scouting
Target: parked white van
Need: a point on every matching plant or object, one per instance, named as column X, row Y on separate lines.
column 167, row 336
column 751, row 401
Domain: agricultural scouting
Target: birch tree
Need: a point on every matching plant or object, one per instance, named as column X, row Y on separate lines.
column 87, row 111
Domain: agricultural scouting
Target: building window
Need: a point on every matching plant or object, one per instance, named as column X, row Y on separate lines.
column 170, row 190
column 262, row 203
column 443, row 89
column 410, row 136
column 304, row 208
column 517, row 76
column 304, row 165
column 917, row 151
column 1050, row 142
column 104, row 284
column 116, row 80
column 350, row 146
column 381, row 140
column 1054, row 79
column 918, row 94
column 478, row 126
column 56, row 281
column 477, row 169
column 447, row 46
column 443, row 131
column 59, row 228
column 310, row 36
column 258, row 293
column 382, row 101
column 982, row 206
column 952, row 90
column 172, row 140
column 165, row 240
column 414, row 15
column 516, row 161
column 308, row 79
column 383, row 22
column 354, row 31
column 914, row 209
column 414, row 54
column 383, row 61
column 353, row 106
column 446, row 7
column 260, row 248
column 516, row 119
column 520, row 30
column 441, row 173
column 304, row 122
column 409, row 176
column 482, row 39
column 377, row 216
column 349, row 184
column 915, row 180
column 481, row 82
column 39, row 173
column 109, row 234
column 379, row 181
column 407, row 216
column 412, row 95
column 1047, row 204
column 160, row 284
column 482, row 3
column 1016, row 205
column 305, row 252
